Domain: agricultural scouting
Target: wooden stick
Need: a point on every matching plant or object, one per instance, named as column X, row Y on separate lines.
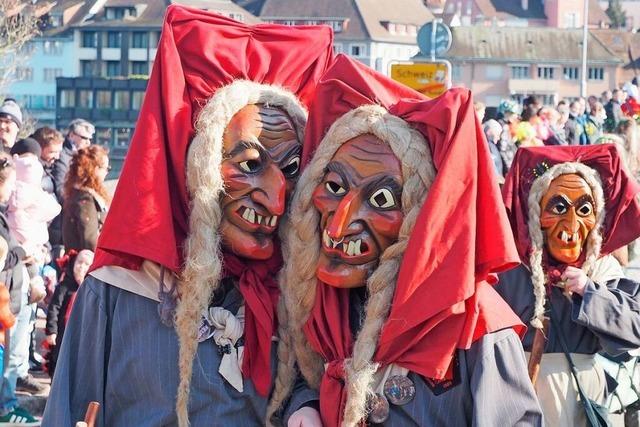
column 91, row 414
column 537, row 350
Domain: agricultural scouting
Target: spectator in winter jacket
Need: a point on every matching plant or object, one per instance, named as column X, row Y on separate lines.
column 613, row 108
column 79, row 136
column 76, row 268
column 10, row 123
column 30, row 207
column 51, row 141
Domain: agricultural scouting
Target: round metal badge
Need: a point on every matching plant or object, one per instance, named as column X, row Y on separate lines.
column 399, row 389
column 378, row 409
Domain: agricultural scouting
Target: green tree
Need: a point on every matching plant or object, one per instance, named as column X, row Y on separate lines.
column 617, row 15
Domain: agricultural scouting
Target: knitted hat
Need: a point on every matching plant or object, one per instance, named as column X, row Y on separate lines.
column 27, row 145
column 11, row 109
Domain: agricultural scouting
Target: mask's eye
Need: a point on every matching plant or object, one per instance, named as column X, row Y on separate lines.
column 335, row 188
column 585, row 210
column 292, row 168
column 249, row 165
column 382, row 198
column 559, row 209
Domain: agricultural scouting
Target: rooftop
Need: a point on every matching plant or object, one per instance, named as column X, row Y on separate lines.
column 526, row 44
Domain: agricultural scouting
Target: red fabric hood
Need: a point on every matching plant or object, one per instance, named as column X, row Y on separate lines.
column 622, row 220
column 443, row 298
column 198, row 52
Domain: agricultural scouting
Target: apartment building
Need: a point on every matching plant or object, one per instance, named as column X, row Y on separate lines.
column 375, row 32
column 501, row 62
column 524, row 13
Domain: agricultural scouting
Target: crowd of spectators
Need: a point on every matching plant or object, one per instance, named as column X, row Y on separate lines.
column 52, row 205
column 613, row 117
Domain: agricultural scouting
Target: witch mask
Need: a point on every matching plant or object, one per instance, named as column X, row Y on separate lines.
column 567, row 217
column 359, row 200
column 261, row 164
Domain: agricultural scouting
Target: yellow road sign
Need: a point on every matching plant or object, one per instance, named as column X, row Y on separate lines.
column 428, row 78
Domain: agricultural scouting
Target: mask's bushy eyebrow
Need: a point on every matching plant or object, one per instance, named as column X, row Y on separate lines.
column 247, row 145
column 558, row 198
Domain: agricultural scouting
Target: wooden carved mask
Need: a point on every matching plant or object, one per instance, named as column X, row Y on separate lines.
column 567, row 217
column 359, row 200
column 261, row 165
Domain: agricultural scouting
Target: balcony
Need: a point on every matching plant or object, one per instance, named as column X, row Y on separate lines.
column 138, row 54
column 533, row 86
column 111, row 54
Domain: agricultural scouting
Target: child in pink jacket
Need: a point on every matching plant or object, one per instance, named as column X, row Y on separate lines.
column 30, row 207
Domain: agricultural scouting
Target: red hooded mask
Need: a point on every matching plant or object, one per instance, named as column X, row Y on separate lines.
column 443, row 300
column 198, row 53
column 622, row 219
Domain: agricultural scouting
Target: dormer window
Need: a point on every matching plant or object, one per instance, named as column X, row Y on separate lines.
column 117, row 13
column 55, row 20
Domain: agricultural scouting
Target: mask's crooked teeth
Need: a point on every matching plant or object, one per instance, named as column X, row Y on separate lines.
column 564, row 236
column 575, row 237
column 251, row 216
column 245, row 214
column 259, row 219
column 274, row 220
column 357, row 245
column 345, row 246
column 325, row 238
column 351, row 248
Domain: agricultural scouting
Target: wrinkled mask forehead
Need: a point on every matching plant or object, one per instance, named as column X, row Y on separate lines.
column 260, row 167
column 359, row 201
column 568, row 215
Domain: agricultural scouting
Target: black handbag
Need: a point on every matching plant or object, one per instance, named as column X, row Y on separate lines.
column 597, row 415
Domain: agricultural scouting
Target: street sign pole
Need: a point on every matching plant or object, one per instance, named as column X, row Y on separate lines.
column 585, row 37
column 434, row 28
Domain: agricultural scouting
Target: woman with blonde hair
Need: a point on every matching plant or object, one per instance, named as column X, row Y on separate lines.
column 86, row 198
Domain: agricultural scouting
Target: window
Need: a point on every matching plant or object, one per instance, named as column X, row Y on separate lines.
column 494, row 72
column 50, row 101
column 50, row 74
column 136, row 99
column 67, row 98
column 85, row 99
column 336, row 25
column 139, row 40
column 337, row 48
column 412, row 30
column 112, row 68
column 123, row 135
column 103, row 99
column 237, row 16
column 115, row 13
column 103, row 136
column 121, row 100
column 52, row 47
column 571, row 20
column 113, row 39
column 570, row 73
column 88, row 68
column 55, row 20
column 545, row 73
column 139, row 68
column 456, row 73
column 520, row 72
column 357, row 50
column 596, row 73
column 89, row 39
column 24, row 74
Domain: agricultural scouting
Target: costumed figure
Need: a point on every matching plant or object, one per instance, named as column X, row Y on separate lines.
column 570, row 207
column 182, row 295
column 396, row 231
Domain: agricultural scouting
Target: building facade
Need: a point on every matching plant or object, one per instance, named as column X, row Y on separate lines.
column 499, row 63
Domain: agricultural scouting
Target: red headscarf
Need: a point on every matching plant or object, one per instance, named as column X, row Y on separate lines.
column 444, row 299
column 622, row 220
column 198, row 53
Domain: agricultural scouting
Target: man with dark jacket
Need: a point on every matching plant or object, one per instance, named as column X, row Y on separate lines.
column 10, row 123
column 51, row 142
column 79, row 136
column 573, row 127
column 613, row 108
